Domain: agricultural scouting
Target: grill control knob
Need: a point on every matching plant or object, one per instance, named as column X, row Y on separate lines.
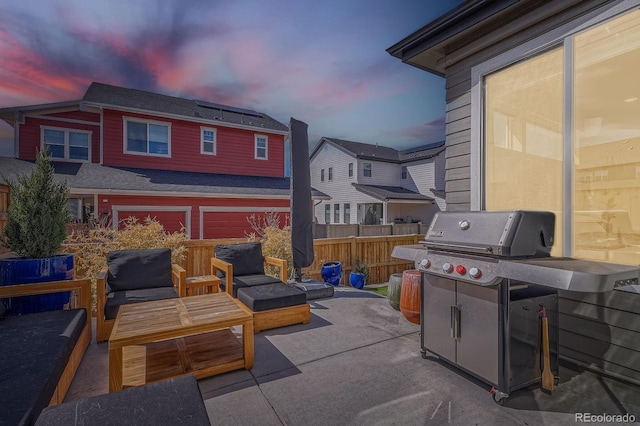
column 461, row 270
column 447, row 267
column 475, row 273
column 425, row 263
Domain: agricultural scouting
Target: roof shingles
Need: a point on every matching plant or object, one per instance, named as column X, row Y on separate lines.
column 115, row 96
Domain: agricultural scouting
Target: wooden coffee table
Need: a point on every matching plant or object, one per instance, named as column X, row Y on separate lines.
column 157, row 340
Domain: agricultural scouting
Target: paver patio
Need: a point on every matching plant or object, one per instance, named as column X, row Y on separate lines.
column 358, row 363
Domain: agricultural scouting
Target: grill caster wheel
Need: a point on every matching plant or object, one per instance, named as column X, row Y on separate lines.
column 498, row 397
column 423, row 353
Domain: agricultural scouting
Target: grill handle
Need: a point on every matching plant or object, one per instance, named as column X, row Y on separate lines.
column 466, row 248
column 455, row 322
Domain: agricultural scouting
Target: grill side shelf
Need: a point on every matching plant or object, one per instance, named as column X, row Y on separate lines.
column 570, row 274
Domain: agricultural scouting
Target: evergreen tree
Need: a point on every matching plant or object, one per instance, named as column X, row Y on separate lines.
column 38, row 212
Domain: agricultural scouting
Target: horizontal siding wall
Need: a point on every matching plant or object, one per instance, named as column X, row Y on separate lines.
column 214, row 212
column 458, row 152
column 29, row 132
column 234, row 149
column 602, row 331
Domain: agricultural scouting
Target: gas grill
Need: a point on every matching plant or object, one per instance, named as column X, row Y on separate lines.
column 487, row 280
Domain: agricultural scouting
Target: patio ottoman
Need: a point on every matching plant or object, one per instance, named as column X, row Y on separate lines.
column 275, row 305
column 171, row 402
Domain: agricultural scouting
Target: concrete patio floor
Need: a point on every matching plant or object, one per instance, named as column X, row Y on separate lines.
column 358, row 363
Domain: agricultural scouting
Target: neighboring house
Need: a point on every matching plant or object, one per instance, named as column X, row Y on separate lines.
column 186, row 162
column 543, row 107
column 371, row 184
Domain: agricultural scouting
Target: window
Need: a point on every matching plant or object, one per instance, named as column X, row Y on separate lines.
column 347, row 213
column 208, row 141
column 367, row 170
column 147, row 137
column 322, row 175
column 327, row 213
column 261, row 147
column 336, row 213
column 372, row 214
column 330, row 173
column 350, row 169
column 66, row 144
column 585, row 154
column 404, row 172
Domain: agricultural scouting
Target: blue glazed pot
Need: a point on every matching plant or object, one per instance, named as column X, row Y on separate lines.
column 357, row 280
column 331, row 272
column 24, row 271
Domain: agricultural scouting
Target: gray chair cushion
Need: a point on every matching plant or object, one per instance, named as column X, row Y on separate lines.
column 136, row 269
column 248, row 281
column 271, row 296
column 34, row 352
column 246, row 258
column 117, row 298
column 170, row 402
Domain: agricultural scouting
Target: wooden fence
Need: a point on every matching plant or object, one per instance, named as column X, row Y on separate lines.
column 5, row 199
column 352, row 230
column 5, row 194
column 376, row 251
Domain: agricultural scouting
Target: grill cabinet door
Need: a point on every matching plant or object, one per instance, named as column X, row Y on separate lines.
column 438, row 297
column 478, row 348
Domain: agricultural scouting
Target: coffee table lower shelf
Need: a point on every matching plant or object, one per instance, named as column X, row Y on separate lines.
column 200, row 355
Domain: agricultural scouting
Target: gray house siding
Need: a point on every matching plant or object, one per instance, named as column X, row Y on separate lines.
column 598, row 330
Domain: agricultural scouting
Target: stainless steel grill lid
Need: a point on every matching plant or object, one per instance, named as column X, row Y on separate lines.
column 515, row 233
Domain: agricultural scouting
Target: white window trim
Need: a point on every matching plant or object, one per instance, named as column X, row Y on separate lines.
column 255, row 147
column 202, row 141
column 66, row 131
column 126, row 119
column 330, row 174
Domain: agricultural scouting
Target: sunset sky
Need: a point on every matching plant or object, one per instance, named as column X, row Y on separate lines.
column 322, row 62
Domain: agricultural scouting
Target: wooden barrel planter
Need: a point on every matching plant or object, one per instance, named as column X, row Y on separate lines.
column 393, row 290
column 410, row 295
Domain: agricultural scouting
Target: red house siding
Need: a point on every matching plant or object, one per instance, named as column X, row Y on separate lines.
column 172, row 212
column 234, row 149
column 171, row 221
column 29, row 132
column 231, row 224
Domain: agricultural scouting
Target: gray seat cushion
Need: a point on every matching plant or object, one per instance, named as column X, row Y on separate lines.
column 136, row 269
column 271, row 296
column 170, row 402
column 246, row 258
column 34, row 352
column 248, row 281
column 117, row 298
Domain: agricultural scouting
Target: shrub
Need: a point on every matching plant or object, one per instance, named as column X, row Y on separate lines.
column 38, row 213
column 90, row 247
column 276, row 241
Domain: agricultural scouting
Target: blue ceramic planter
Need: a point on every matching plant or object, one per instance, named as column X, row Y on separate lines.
column 331, row 272
column 24, row 271
column 357, row 280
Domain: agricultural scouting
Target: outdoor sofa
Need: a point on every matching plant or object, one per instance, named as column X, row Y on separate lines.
column 40, row 352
